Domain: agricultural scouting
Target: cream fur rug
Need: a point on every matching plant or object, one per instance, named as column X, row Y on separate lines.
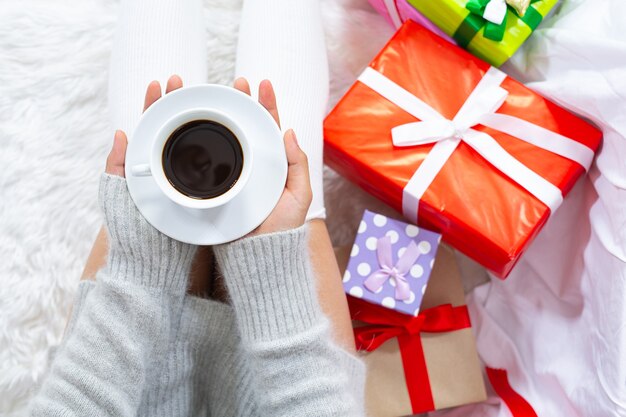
column 54, row 137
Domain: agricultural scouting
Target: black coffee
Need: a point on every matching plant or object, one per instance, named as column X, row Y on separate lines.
column 202, row 159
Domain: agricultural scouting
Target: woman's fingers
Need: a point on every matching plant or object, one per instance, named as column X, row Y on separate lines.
column 117, row 156
column 298, row 182
column 153, row 93
column 242, row 85
column 267, row 98
column 174, row 83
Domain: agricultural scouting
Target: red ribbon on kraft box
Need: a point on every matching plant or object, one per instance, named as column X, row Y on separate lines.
column 383, row 324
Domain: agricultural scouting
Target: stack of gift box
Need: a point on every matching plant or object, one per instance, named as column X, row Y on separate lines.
column 472, row 159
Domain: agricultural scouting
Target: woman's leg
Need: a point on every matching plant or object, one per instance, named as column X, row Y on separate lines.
column 153, row 39
column 283, row 41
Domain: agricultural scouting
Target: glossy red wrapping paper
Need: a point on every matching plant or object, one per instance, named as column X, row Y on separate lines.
column 479, row 210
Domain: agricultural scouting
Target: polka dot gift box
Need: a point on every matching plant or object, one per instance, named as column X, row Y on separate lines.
column 390, row 263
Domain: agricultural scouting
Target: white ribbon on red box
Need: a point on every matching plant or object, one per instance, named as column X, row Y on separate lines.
column 479, row 108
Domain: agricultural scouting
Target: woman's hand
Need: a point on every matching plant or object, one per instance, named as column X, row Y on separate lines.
column 290, row 212
column 115, row 166
column 117, row 156
column 157, row 260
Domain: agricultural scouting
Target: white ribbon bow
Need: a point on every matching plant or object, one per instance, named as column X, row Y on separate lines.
column 495, row 11
column 479, row 108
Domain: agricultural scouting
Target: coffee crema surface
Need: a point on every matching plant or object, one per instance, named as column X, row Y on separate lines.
column 202, row 159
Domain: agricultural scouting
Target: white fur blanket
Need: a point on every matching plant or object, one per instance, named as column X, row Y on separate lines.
column 54, row 137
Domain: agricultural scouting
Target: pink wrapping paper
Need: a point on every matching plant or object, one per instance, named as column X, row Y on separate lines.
column 403, row 10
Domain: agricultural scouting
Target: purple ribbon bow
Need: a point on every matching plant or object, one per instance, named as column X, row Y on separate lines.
column 387, row 270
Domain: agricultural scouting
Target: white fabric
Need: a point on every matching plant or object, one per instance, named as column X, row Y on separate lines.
column 55, row 134
column 557, row 323
column 283, row 41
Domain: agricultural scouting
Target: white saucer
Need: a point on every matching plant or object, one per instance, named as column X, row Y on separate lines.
column 246, row 210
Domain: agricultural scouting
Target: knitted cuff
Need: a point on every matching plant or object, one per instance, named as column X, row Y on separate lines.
column 270, row 283
column 140, row 254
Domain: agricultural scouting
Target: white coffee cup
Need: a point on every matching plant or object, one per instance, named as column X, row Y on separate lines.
column 155, row 166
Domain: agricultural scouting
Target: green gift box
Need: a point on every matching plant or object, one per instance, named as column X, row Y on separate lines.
column 463, row 20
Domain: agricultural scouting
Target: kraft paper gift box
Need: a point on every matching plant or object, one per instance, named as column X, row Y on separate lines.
column 423, row 363
column 457, row 146
column 390, row 263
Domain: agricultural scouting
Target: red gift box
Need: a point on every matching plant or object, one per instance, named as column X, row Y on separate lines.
column 444, row 138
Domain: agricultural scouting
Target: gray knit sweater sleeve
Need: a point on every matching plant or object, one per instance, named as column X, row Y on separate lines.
column 296, row 368
column 128, row 318
column 132, row 344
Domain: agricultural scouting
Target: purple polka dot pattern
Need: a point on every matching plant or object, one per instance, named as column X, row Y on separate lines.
column 364, row 261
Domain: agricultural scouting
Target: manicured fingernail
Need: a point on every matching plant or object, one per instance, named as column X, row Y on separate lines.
column 116, row 135
column 118, row 139
column 293, row 137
